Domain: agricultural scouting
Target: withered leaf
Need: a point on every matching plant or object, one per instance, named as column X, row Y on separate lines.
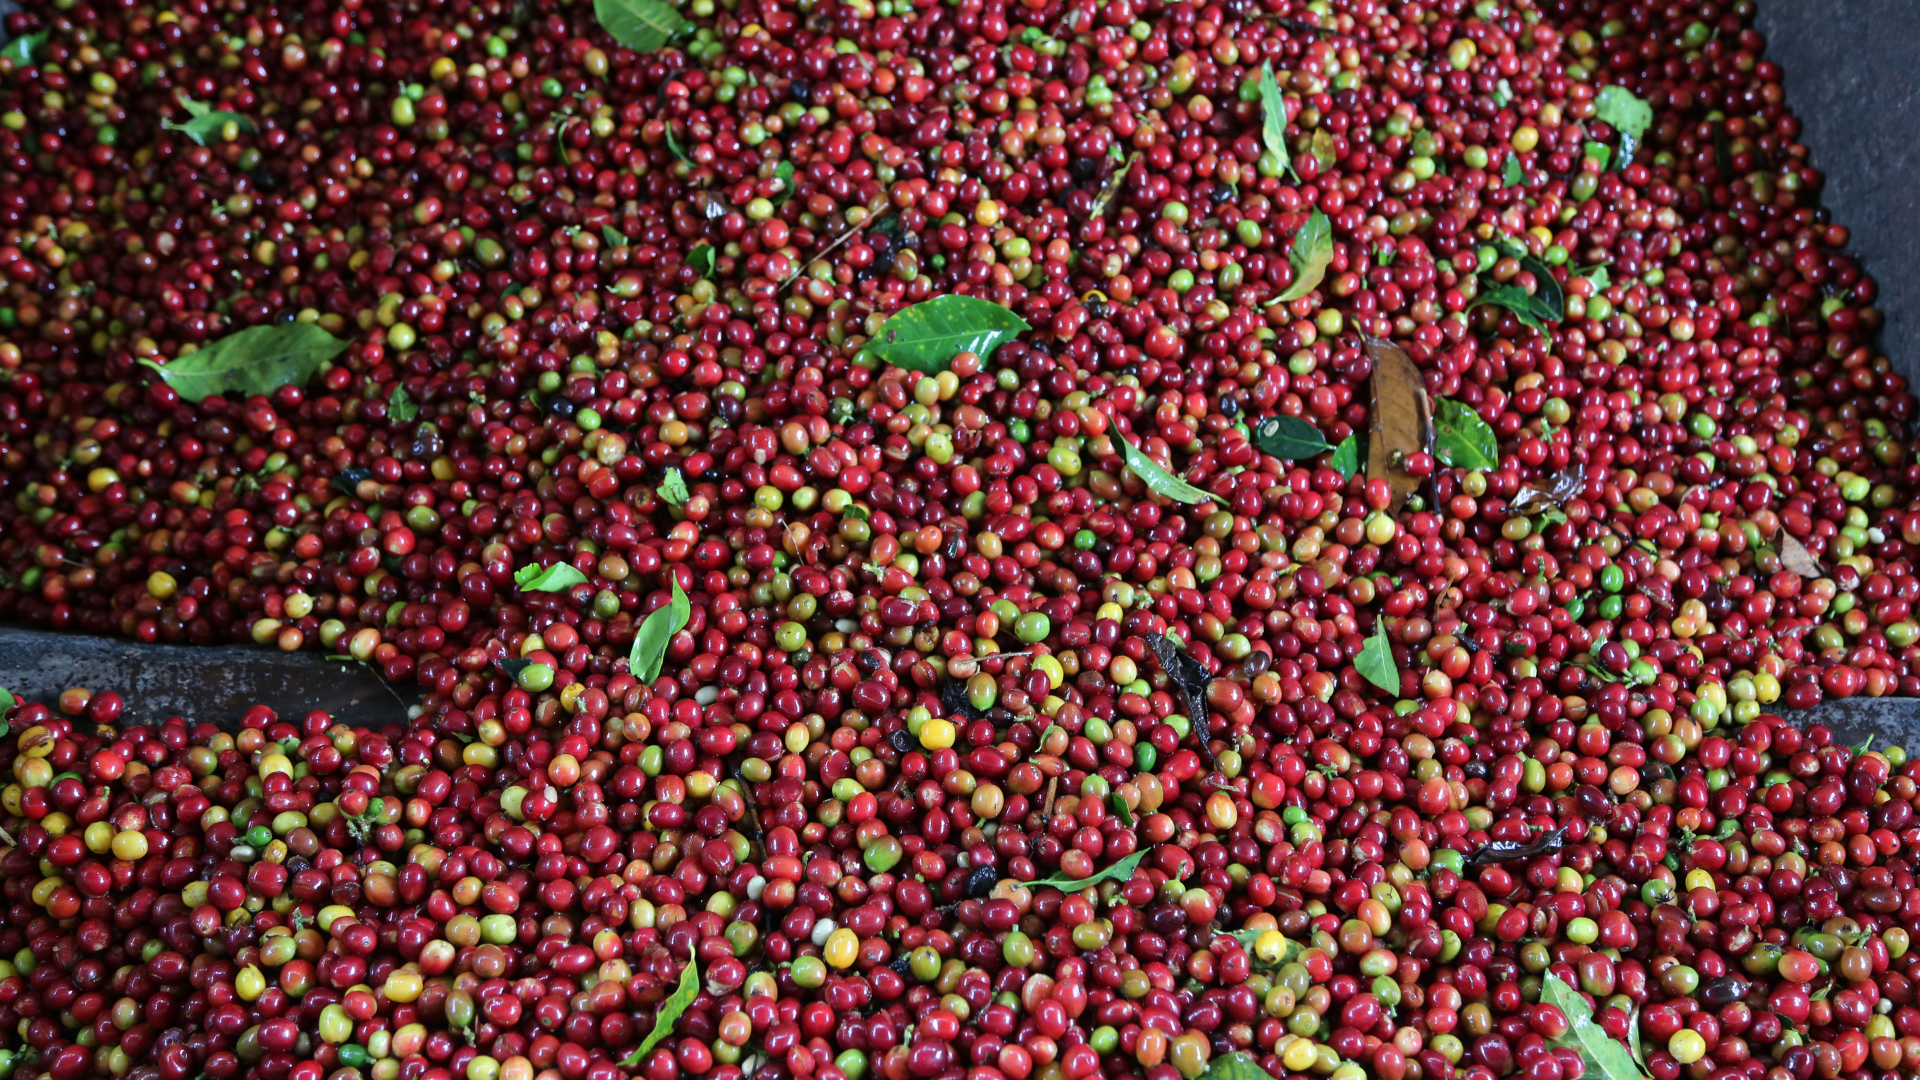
column 347, row 481
column 1111, row 188
column 1192, row 679
column 1402, row 419
column 1499, row 851
column 1557, row 489
column 954, row 699
column 1795, row 557
column 1656, row 589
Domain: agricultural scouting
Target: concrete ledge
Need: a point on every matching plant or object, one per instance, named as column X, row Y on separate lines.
column 216, row 683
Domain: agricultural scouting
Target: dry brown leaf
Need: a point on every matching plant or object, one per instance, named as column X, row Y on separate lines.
column 1402, row 419
column 1795, row 557
column 1112, row 186
column 1559, row 488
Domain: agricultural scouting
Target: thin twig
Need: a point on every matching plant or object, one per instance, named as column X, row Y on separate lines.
column 382, row 680
column 746, row 798
column 873, row 214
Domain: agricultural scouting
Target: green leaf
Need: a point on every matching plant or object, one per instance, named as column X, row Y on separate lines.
column 640, row 25
column 1599, row 152
column 669, row 1013
column 22, row 50
column 1598, row 276
column 1546, row 288
column 1346, row 457
column 1157, row 479
column 1463, row 440
column 701, row 259
column 1633, row 1037
column 205, row 122
column 1375, row 662
column 1119, row 871
column 1238, row 1065
column 1512, row 174
column 927, row 336
column 1531, row 310
column 1118, row 804
column 673, row 145
column 400, row 407
column 1606, row 1058
column 672, row 489
column 783, row 172
column 1320, row 145
column 614, row 237
column 556, row 578
column 257, row 360
column 1289, row 438
column 656, row 633
column 1273, row 117
column 1617, row 107
column 1630, row 116
column 1311, row 253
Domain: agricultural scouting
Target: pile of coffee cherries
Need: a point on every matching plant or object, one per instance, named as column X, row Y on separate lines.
column 1014, row 714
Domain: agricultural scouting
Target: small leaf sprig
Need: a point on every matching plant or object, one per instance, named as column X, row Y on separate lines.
column 1605, row 1056
column 669, row 1013
column 556, row 578
column 656, row 632
column 927, row 336
column 1119, row 871
column 1375, row 661
column 1310, row 255
column 640, row 25
column 1159, row 480
column 1273, row 118
column 204, row 122
column 1462, row 439
column 257, row 360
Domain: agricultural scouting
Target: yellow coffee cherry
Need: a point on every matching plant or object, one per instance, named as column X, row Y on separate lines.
column 937, row 734
column 842, row 948
column 129, row 844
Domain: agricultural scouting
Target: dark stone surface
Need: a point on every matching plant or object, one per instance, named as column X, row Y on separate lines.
column 1853, row 77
